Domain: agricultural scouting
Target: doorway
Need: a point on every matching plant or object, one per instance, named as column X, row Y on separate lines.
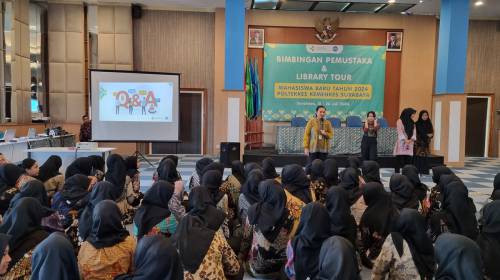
column 191, row 126
column 477, row 131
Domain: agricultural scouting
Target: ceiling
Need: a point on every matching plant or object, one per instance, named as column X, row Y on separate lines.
column 490, row 9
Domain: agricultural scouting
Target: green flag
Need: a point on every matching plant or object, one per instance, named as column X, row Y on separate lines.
column 249, row 92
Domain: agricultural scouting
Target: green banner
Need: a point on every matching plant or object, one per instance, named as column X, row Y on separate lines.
column 347, row 80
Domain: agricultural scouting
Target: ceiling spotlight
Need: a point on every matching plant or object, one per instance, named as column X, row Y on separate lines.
column 421, row 1
column 391, row 1
column 478, row 3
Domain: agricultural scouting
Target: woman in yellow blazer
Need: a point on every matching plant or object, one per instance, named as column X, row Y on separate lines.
column 317, row 136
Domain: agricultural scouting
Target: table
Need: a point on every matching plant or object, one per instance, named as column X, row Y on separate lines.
column 16, row 151
column 67, row 154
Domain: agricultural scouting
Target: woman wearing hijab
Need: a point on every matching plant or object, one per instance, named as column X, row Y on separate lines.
column 269, row 169
column 116, row 174
column 4, row 253
column 153, row 216
column 331, row 172
column 407, row 135
column 98, row 166
column 50, row 176
column 234, row 181
column 407, row 252
column 489, row 239
column 458, row 258
column 376, row 222
column 54, row 258
column 425, row 132
column 411, row 172
column 167, row 171
column 108, row 250
column 212, row 180
column 82, row 165
column 133, row 182
column 435, row 195
column 295, row 182
column 73, row 196
column 495, row 194
column 24, row 224
column 338, row 260
column 318, row 184
column 370, row 171
column 402, row 192
column 342, row 222
column 350, row 182
column 195, row 179
column 155, row 258
column 204, row 252
column 249, row 192
column 303, row 250
column 9, row 178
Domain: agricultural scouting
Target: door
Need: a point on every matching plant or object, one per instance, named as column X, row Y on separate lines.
column 190, row 127
column 476, row 126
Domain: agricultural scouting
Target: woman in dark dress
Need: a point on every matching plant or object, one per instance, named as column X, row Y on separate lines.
column 425, row 132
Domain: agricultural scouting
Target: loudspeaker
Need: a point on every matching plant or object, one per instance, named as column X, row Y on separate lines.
column 229, row 152
column 136, row 11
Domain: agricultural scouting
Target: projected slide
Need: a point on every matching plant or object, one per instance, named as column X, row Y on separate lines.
column 135, row 102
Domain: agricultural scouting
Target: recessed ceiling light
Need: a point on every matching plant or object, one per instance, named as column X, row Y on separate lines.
column 479, row 3
column 391, row 1
column 421, row 1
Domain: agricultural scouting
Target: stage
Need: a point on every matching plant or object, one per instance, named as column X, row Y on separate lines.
column 280, row 160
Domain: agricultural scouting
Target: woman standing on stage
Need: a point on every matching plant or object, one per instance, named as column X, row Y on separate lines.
column 425, row 132
column 407, row 135
column 317, row 134
column 369, row 141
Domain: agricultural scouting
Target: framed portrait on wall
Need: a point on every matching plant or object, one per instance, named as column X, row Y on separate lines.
column 394, row 41
column 255, row 38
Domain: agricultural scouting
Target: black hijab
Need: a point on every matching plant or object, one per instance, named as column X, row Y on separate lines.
column 201, row 164
column 53, row 257
column 154, row 207
column 50, row 168
column 167, row 171
column 101, row 191
column 354, row 162
column 196, row 230
column 331, row 173
column 380, row 214
column 117, row 171
column 438, row 171
column 411, row 172
column 251, row 166
column 337, row 260
column 307, row 241
column 107, row 228
column 269, row 168
column 317, row 169
column 97, row 162
column 424, row 127
column 412, row 226
column 495, row 195
column 294, row 179
column 402, row 192
column 460, row 210
column 34, row 189
column 251, row 186
column 75, row 189
column 9, row 174
column 82, row 165
column 350, row 182
column 371, row 171
column 213, row 166
column 212, row 180
column 408, row 122
column 489, row 239
column 131, row 164
column 238, row 171
column 173, row 158
column 342, row 222
column 458, row 258
column 270, row 213
column 155, row 258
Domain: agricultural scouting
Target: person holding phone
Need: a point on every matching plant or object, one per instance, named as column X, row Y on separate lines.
column 369, row 141
column 317, row 137
column 407, row 135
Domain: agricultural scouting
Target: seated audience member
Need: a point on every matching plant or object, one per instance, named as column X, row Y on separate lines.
column 31, row 167
column 3, row 159
column 407, row 252
column 249, row 193
column 342, row 222
column 376, row 222
column 153, row 216
column 98, row 166
column 81, row 165
column 133, row 182
column 420, row 189
column 155, row 258
column 402, row 192
column 495, row 194
column 370, row 171
column 195, row 179
column 303, row 250
column 4, row 253
column 54, row 258
column 270, row 224
column 204, row 251
column 74, row 196
column 50, row 176
column 350, row 182
column 457, row 214
column 319, row 186
column 457, row 258
column 116, row 174
column 212, row 180
column 107, row 252
column 295, row 182
column 24, row 225
column 169, row 172
column 489, row 239
column 269, row 170
column 338, row 260
column 354, row 162
column 9, row 184
column 331, row 172
column 235, row 181
column 434, row 196
column 253, row 165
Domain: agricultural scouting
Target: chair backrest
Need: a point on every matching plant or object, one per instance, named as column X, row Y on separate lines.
column 353, row 121
column 335, row 122
column 298, row 122
column 382, row 122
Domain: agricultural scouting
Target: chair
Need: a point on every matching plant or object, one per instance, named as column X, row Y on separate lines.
column 335, row 122
column 382, row 122
column 298, row 122
column 353, row 121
